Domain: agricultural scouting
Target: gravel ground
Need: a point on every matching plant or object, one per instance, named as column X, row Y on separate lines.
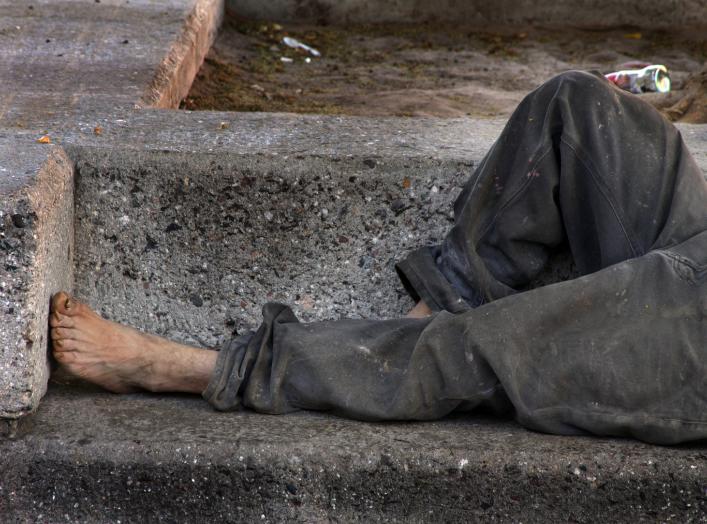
column 430, row 70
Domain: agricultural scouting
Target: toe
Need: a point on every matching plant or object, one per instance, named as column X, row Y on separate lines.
column 58, row 320
column 66, row 305
column 59, row 300
column 62, row 345
column 60, row 333
column 64, row 357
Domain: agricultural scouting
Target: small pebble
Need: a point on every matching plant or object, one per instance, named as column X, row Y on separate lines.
column 196, row 300
column 398, row 206
column 19, row 221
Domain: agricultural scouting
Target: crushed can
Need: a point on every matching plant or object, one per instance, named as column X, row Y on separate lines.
column 651, row 78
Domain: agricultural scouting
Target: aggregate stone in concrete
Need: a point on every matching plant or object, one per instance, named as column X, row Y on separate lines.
column 187, row 227
column 97, row 457
column 191, row 246
column 577, row 13
column 36, row 245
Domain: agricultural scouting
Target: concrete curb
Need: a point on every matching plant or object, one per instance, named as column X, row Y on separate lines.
column 37, row 242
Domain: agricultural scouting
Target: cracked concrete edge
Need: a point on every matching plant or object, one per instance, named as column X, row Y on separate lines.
column 36, row 237
column 177, row 70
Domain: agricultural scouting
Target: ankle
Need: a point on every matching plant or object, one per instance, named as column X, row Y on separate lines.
column 179, row 369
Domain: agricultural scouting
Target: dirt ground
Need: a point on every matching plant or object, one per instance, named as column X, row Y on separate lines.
column 429, row 70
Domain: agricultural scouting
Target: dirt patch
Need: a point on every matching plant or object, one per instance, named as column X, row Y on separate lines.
column 429, row 70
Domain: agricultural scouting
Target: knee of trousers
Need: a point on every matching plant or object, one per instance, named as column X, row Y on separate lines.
column 580, row 85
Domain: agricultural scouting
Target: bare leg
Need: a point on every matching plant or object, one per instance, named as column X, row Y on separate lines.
column 122, row 359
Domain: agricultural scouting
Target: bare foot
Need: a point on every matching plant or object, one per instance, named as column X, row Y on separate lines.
column 122, row 359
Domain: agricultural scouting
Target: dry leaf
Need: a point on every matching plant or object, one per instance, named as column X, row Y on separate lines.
column 406, row 183
column 44, row 140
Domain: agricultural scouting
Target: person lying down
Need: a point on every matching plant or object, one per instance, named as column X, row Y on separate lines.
column 620, row 351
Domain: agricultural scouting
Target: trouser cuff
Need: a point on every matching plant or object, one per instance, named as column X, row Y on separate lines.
column 424, row 281
column 229, row 375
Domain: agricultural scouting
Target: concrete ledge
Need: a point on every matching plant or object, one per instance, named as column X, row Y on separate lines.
column 187, row 230
column 98, row 457
column 36, row 240
column 386, row 186
column 282, row 134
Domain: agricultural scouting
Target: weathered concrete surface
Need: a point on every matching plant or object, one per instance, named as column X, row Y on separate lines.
column 36, row 245
column 673, row 14
column 97, row 457
column 67, row 57
column 192, row 246
column 61, row 60
column 186, row 229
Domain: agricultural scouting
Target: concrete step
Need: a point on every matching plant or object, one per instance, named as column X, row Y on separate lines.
column 36, row 246
column 184, row 225
column 186, row 230
column 69, row 57
column 96, row 457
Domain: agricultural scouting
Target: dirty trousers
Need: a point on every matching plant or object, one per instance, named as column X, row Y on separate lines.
column 621, row 350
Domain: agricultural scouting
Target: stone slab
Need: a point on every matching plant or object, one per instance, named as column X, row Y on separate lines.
column 97, row 457
column 36, row 243
column 578, row 13
column 332, row 189
column 311, row 211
